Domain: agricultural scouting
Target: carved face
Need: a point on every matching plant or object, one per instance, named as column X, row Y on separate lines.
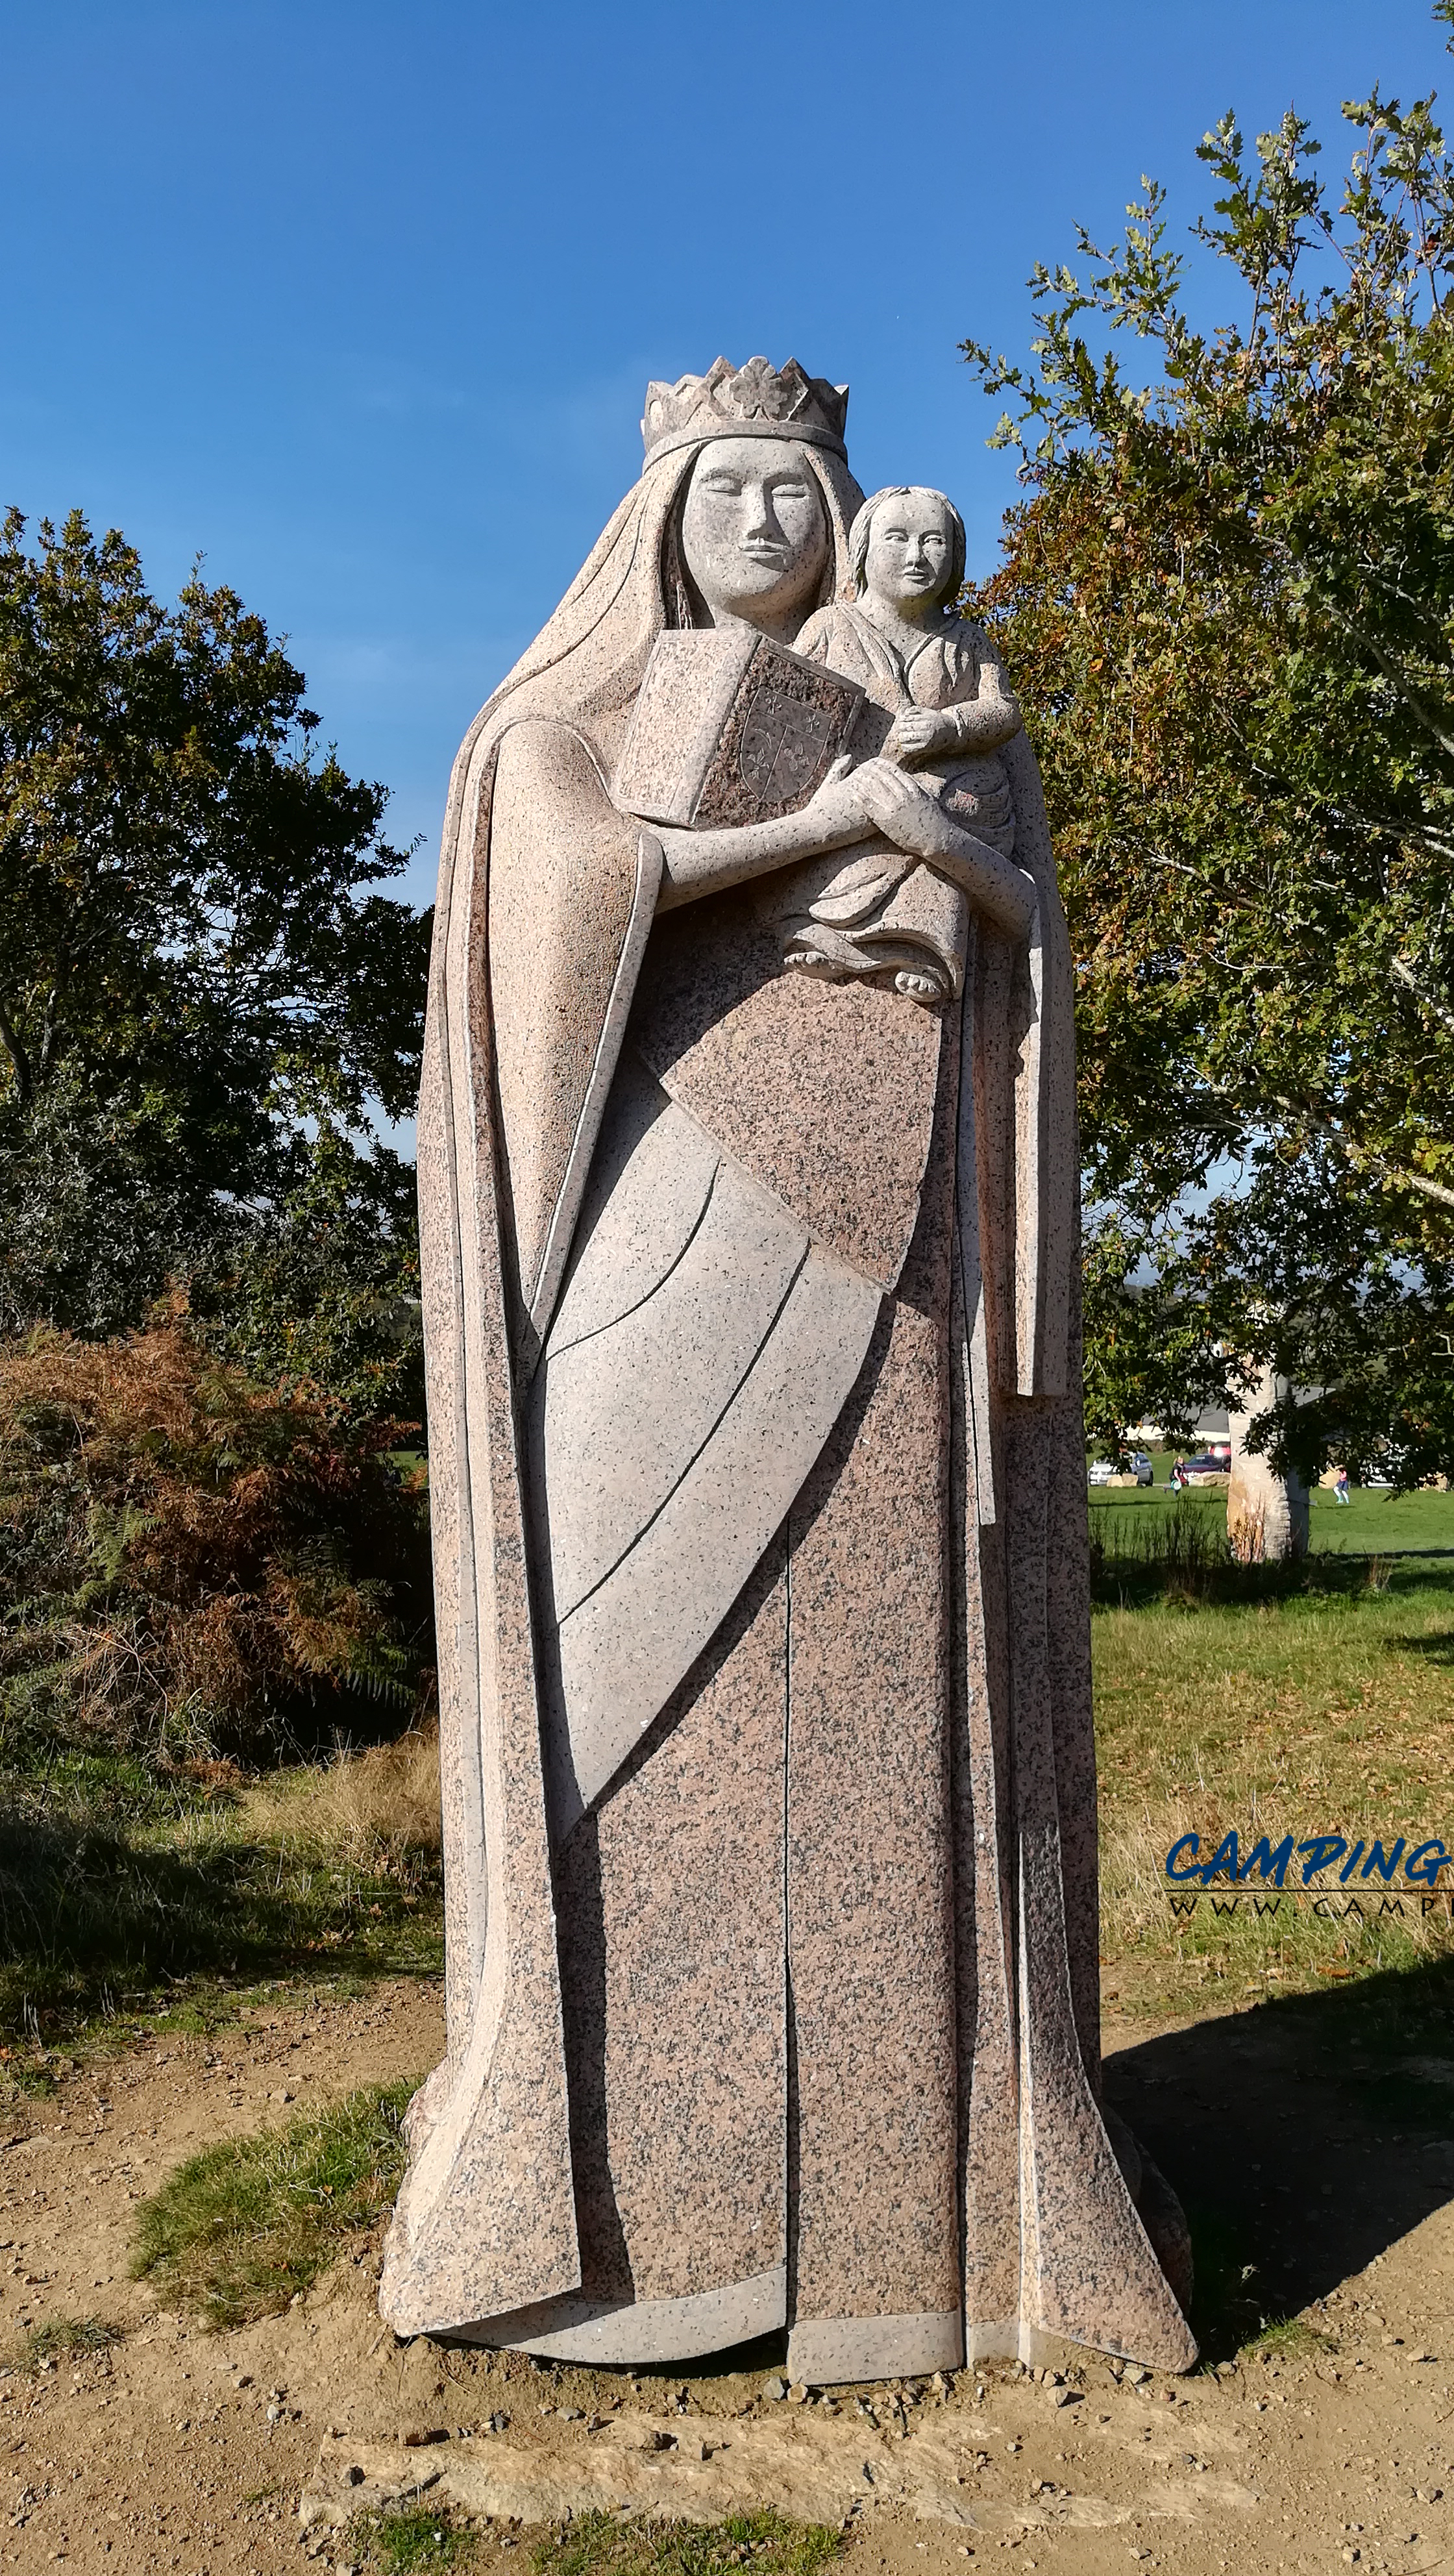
column 910, row 549
column 754, row 533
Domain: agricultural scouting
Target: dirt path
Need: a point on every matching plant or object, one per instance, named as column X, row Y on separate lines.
column 180, row 2450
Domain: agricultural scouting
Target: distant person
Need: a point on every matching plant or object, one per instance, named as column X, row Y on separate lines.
column 1177, row 1478
column 1340, row 1487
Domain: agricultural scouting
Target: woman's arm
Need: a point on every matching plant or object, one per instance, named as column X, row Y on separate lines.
column 848, row 807
column 705, row 862
column 915, row 821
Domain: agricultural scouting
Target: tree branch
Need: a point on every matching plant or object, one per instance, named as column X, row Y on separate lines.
column 1362, row 1158
column 1393, row 671
column 1406, row 976
column 9, row 1039
column 48, row 1029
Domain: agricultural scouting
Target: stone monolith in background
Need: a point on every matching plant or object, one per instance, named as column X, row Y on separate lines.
column 1267, row 1514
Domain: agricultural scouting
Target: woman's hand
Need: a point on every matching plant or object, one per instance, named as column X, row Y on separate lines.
column 835, row 812
column 914, row 820
column 905, row 812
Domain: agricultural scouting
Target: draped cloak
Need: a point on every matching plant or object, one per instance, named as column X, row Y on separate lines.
column 757, row 1484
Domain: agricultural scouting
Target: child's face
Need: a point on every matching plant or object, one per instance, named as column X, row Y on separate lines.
column 909, row 551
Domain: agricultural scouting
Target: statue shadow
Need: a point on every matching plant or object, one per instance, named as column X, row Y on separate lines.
column 1303, row 2137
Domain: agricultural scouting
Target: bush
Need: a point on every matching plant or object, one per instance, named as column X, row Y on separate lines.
column 190, row 1565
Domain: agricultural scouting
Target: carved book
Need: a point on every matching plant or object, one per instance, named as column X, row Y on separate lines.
column 731, row 728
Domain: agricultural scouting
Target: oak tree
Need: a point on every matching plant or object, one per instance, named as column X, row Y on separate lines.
column 206, row 994
column 1228, row 601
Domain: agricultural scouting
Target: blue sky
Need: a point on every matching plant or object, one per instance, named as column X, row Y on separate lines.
column 359, row 298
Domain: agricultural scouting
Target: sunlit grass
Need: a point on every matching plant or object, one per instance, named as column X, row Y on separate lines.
column 1319, row 1712
column 406, row 2538
column 66, row 2339
column 239, row 2230
column 597, row 2544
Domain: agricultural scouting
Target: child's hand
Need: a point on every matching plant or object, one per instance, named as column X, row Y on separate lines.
column 917, row 733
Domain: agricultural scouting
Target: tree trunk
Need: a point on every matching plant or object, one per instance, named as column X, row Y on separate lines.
column 1267, row 1514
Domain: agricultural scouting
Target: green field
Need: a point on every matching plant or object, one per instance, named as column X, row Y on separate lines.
column 1370, row 1523
column 1320, row 1701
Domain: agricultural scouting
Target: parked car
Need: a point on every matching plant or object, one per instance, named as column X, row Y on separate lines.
column 1138, row 1467
column 1210, row 1462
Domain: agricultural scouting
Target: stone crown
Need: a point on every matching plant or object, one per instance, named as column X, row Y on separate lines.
column 754, row 401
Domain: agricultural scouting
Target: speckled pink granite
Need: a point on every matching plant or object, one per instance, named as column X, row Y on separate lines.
column 870, row 1845
column 772, row 1999
column 824, row 1092
column 670, row 1905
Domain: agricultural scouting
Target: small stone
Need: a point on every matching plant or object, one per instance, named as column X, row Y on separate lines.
column 499, row 2423
column 775, row 2388
column 1136, row 2375
column 797, row 2394
column 1068, row 2396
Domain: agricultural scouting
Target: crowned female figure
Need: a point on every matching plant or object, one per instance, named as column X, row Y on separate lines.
column 758, row 1493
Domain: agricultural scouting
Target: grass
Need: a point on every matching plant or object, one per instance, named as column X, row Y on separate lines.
column 409, row 2537
column 242, row 2228
column 1307, row 1706
column 1292, row 2339
column 128, row 1895
column 66, row 2338
column 597, row 2544
column 1369, row 1524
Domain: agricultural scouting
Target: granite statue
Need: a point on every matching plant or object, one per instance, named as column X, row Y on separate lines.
column 748, row 1187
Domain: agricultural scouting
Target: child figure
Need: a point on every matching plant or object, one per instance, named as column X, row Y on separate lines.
column 937, row 703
